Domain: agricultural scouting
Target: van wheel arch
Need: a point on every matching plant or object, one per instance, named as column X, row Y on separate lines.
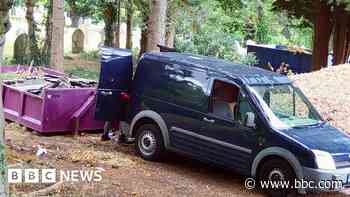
column 276, row 168
column 152, row 117
column 280, row 153
column 270, row 157
column 143, row 121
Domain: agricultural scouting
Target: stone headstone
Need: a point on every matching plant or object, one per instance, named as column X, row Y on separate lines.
column 21, row 51
column 78, row 41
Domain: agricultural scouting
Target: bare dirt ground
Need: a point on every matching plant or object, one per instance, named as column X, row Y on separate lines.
column 128, row 175
column 125, row 173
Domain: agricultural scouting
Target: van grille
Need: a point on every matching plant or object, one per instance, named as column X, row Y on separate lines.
column 342, row 161
column 342, row 164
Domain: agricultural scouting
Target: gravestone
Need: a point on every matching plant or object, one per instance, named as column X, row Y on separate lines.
column 21, row 51
column 78, row 41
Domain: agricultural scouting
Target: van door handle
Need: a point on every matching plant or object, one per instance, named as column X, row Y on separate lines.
column 106, row 93
column 209, row 120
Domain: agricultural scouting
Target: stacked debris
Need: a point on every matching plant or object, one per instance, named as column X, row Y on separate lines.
column 283, row 69
column 35, row 80
column 329, row 91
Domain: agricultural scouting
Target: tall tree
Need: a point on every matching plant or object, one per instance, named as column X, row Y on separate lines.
column 117, row 25
column 58, row 22
column 32, row 28
column 5, row 6
column 143, row 7
column 79, row 9
column 341, row 35
column 5, row 24
column 322, row 35
column 324, row 16
column 46, row 50
column 172, row 12
column 156, row 25
column 129, row 23
column 108, row 10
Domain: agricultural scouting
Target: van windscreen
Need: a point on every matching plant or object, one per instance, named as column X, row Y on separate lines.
column 286, row 106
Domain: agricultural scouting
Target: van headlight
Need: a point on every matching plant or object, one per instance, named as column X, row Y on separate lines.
column 324, row 160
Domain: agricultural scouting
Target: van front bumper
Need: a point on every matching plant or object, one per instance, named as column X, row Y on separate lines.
column 326, row 180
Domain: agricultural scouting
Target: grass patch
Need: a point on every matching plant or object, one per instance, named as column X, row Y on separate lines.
column 9, row 76
column 90, row 55
column 83, row 73
column 8, row 49
column 9, row 61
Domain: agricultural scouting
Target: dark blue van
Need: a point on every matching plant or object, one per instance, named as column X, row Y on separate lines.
column 244, row 118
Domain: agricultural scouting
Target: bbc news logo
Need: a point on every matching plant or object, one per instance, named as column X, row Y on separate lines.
column 53, row 175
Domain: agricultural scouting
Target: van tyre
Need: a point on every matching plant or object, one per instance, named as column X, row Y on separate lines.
column 277, row 170
column 149, row 142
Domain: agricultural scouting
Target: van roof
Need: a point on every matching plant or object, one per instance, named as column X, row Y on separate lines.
column 247, row 74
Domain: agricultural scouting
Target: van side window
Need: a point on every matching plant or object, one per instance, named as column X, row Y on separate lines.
column 244, row 108
column 224, row 100
column 188, row 87
column 180, row 85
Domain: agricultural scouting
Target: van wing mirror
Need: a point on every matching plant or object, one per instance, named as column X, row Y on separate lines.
column 249, row 120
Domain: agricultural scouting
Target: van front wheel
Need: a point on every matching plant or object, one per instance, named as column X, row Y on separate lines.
column 149, row 144
column 278, row 172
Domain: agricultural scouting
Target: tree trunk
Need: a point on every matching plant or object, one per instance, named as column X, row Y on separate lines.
column 33, row 42
column 347, row 50
column 340, row 36
column 143, row 41
column 46, row 50
column 129, row 24
column 156, row 25
column 5, row 6
column 2, row 45
column 75, row 18
column 4, row 190
column 170, row 32
column 322, row 34
column 117, row 27
column 170, row 36
column 57, row 50
column 109, row 28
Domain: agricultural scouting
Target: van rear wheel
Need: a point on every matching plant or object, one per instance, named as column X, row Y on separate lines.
column 277, row 171
column 149, row 142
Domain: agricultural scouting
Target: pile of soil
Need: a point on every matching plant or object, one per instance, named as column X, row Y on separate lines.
column 329, row 91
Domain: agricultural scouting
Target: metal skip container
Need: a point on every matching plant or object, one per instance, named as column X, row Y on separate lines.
column 54, row 109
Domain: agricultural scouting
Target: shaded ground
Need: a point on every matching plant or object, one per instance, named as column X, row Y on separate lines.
column 127, row 175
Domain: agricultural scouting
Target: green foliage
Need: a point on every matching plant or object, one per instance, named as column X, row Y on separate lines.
column 212, row 27
column 202, row 32
column 82, row 8
column 249, row 59
column 263, row 31
column 304, row 10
